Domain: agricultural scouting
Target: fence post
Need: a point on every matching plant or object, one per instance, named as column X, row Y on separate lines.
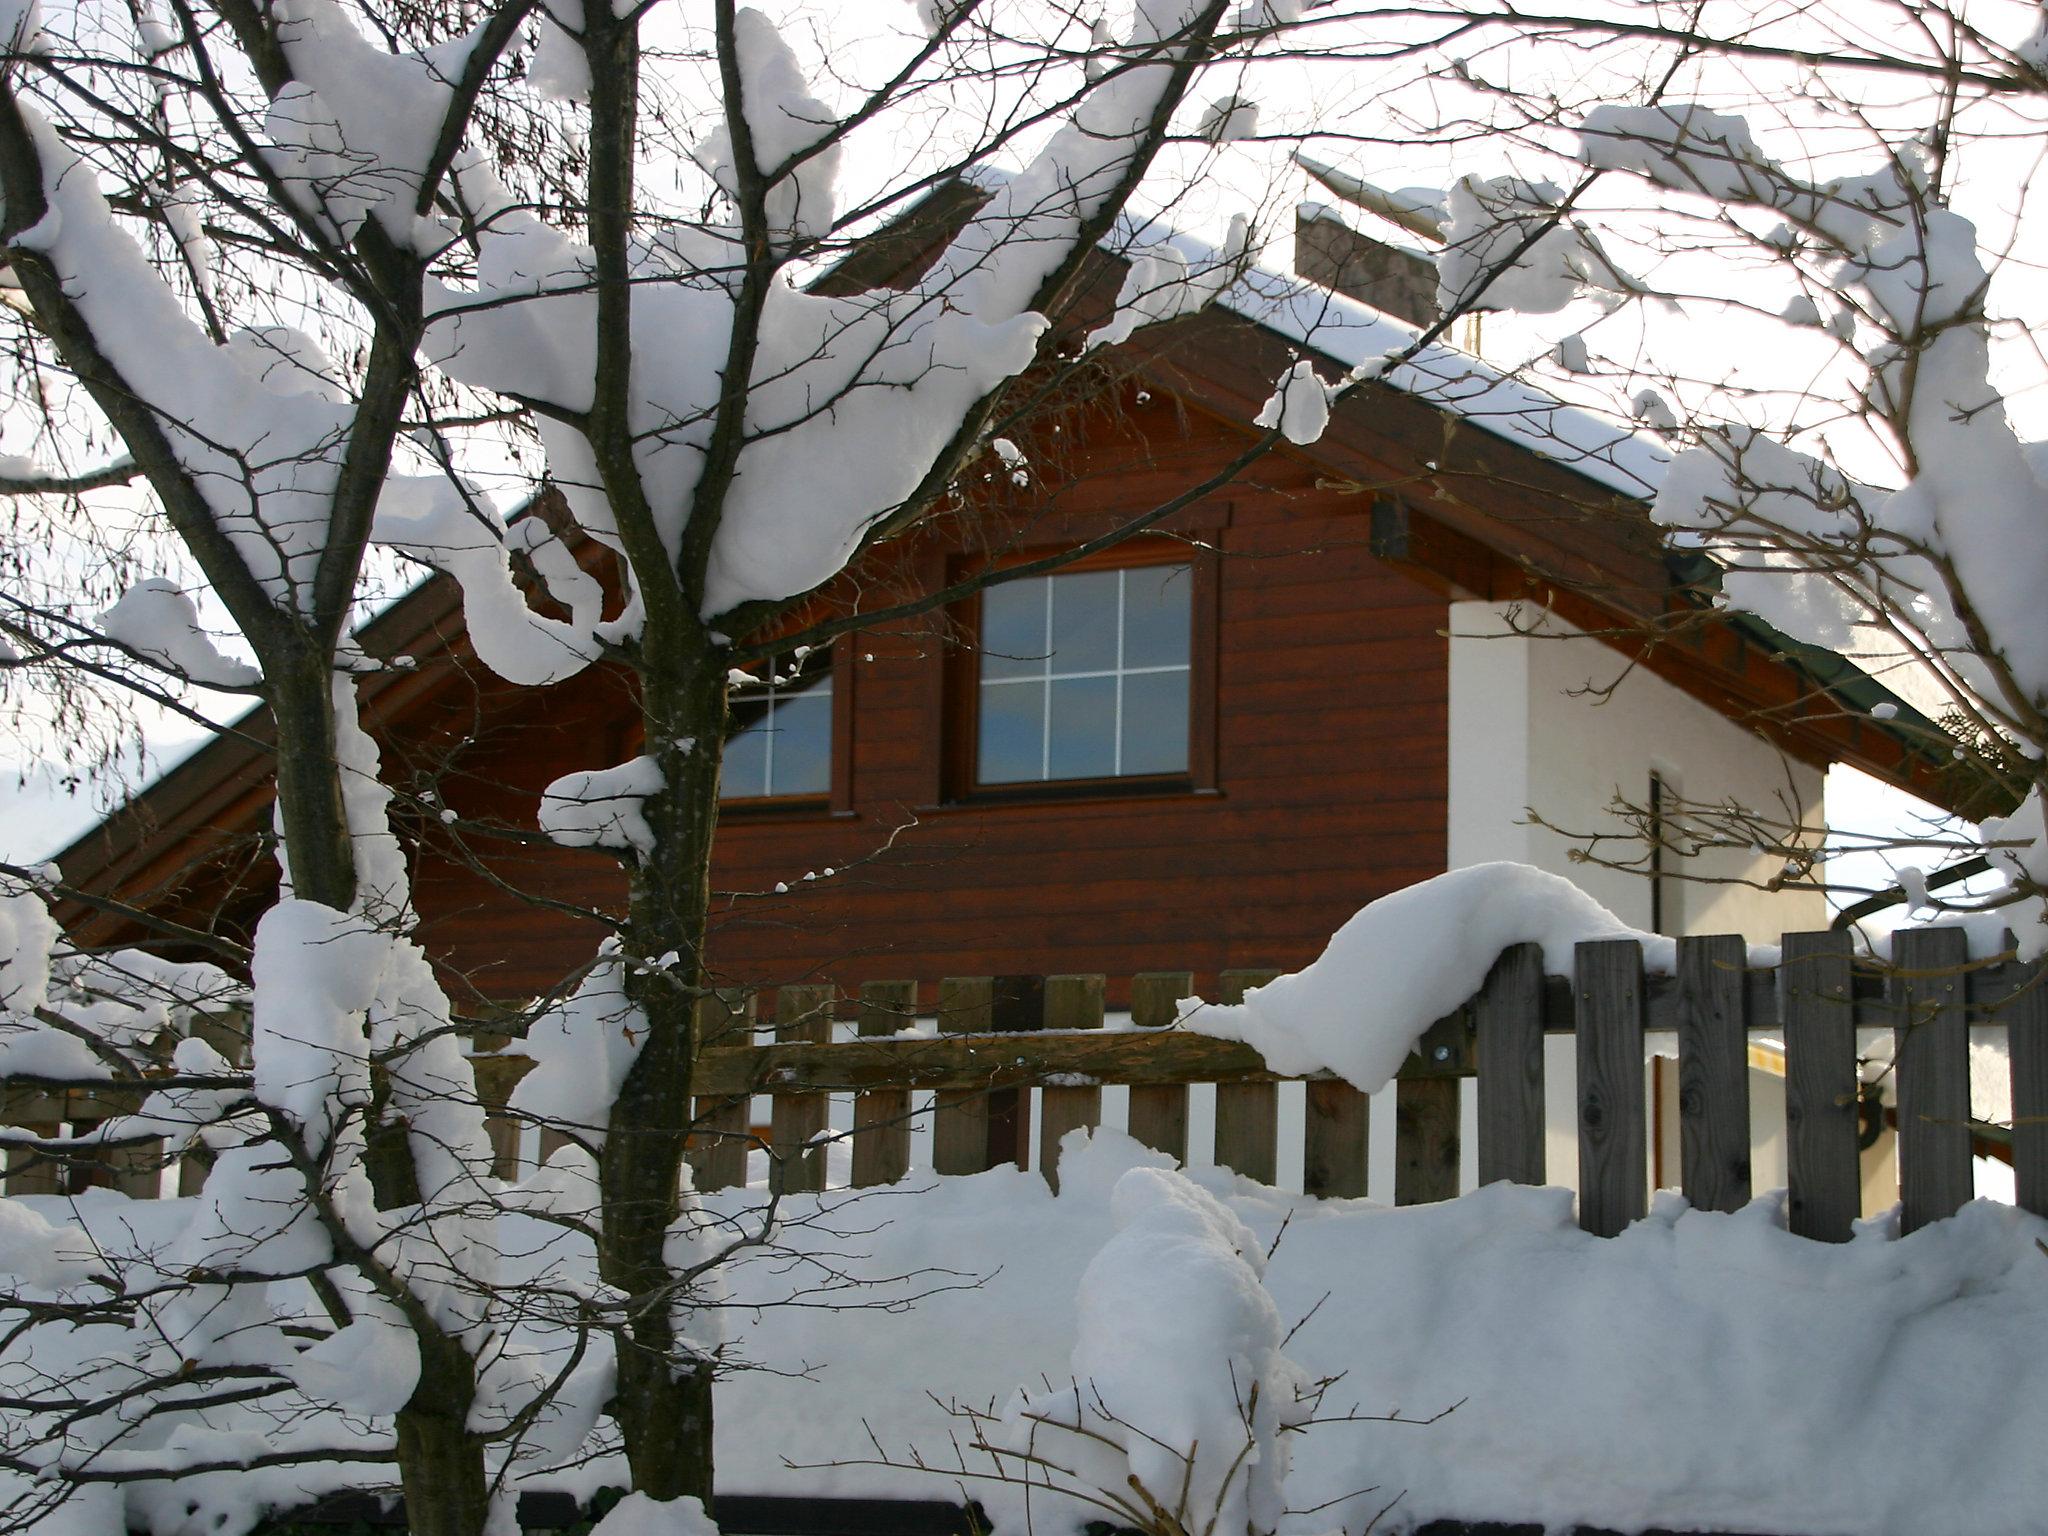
column 1820, row 1087
column 1713, row 1072
column 1613, row 1128
column 1933, row 1073
column 881, row 1118
column 803, row 1016
column 2026, row 1042
column 1247, row 1114
column 1508, row 1019
column 1071, row 1002
column 719, row 1133
column 960, row 1115
column 1158, row 1115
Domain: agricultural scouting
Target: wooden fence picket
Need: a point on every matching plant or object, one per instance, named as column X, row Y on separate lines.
column 719, row 1133
column 1820, row 1086
column 2025, row 1016
column 1071, row 1002
column 797, row 1120
column 1158, row 1113
column 1428, row 1142
column 1247, row 1114
column 1336, row 1133
column 1508, row 1025
column 881, row 1116
column 1613, row 1126
column 1713, row 1072
column 1932, row 1069
column 960, row 1115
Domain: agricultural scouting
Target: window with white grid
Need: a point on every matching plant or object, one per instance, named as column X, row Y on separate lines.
column 782, row 744
column 1085, row 676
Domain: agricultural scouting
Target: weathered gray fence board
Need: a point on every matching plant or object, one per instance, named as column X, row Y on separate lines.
column 1158, row 1114
column 1713, row 1072
column 1071, row 1002
column 881, row 1116
column 1820, row 1086
column 1016, row 1007
column 960, row 1115
column 803, row 1015
column 2025, row 1017
column 1932, row 1070
column 1508, row 1021
column 1613, row 1128
column 1337, row 1120
column 1426, row 1117
column 718, row 1131
column 1247, row 1114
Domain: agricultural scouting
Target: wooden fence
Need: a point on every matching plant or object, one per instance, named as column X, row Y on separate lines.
column 999, row 1037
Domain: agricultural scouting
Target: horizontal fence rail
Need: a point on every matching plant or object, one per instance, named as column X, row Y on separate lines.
column 998, row 1038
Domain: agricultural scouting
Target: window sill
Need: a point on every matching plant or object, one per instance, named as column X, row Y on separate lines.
column 779, row 808
column 1076, row 791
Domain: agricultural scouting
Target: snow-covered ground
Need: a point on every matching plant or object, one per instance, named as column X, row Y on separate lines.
column 1699, row 1372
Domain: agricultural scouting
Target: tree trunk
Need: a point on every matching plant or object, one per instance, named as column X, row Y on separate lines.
column 663, row 1402
column 441, row 1464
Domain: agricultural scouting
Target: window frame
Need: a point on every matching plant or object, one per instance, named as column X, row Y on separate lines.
column 962, row 744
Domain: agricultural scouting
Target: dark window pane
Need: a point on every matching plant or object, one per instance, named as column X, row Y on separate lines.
column 745, row 771
column 1156, row 722
column 1012, row 732
column 1083, row 625
column 1083, row 728
column 1013, row 630
column 803, row 743
column 1157, row 615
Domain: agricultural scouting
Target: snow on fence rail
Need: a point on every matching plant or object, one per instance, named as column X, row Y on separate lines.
column 1001, row 1036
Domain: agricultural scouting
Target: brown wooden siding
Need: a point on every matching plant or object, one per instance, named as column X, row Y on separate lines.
column 1331, row 693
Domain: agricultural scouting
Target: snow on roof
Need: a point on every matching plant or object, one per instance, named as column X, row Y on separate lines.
column 1202, row 187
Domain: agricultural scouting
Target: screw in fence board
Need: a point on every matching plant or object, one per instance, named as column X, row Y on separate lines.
column 803, row 1016
column 1158, row 1115
column 1713, row 1072
column 1614, row 1152
column 1427, row 1143
column 1508, row 1030
column 1821, row 1162
column 2025, row 1017
column 960, row 1115
column 1932, row 1069
column 1071, row 1002
column 881, row 1117
column 719, row 1133
column 1247, row 1114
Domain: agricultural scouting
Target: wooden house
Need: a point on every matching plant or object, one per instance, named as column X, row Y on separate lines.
column 1337, row 672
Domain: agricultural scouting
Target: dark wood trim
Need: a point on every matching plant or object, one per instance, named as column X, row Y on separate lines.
column 846, row 656
column 961, row 692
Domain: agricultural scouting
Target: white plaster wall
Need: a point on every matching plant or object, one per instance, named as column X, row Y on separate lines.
column 1560, row 723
